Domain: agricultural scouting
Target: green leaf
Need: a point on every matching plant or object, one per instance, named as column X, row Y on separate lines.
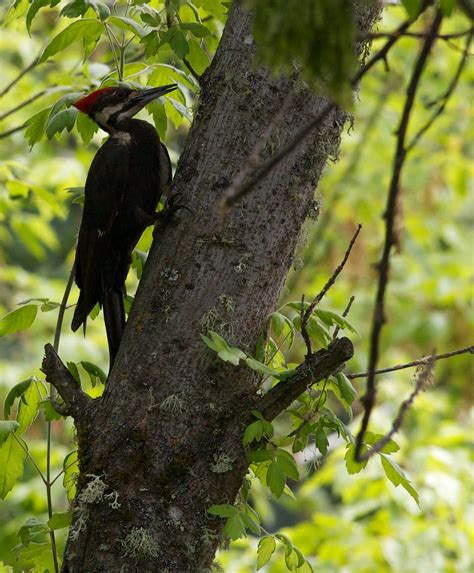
column 234, row 527
column 348, row 391
column 49, row 412
column 86, row 127
column 251, row 521
column 127, row 24
column 75, row 8
column 224, row 351
column 197, row 57
column 86, row 29
column 260, row 455
column 322, row 442
column 35, row 126
column 222, row 510
column 18, row 320
column 35, row 6
column 72, row 367
column 448, row 6
column 71, row 471
column 179, row 44
column 331, row 318
column 390, row 447
column 275, row 479
column 352, row 466
column 260, row 367
column 31, row 530
column 198, row 30
column 64, row 119
column 7, row 427
column 101, row 9
column 60, row 520
column 29, row 404
column 301, row 559
column 287, row 463
column 16, row 392
column 12, row 457
column 253, row 431
column 266, row 548
column 412, row 7
column 157, row 111
column 396, row 475
column 291, row 560
column 95, row 372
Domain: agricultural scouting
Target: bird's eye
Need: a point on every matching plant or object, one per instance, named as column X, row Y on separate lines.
column 121, row 93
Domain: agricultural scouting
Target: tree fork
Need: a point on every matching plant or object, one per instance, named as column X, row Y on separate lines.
column 164, row 442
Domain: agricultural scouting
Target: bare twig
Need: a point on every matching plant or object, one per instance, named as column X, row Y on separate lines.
column 425, row 360
column 23, row 104
column 316, row 367
column 444, row 98
column 12, row 130
column 344, row 314
column 194, row 73
column 421, row 381
column 19, row 76
column 317, row 299
column 408, row 34
column 390, row 214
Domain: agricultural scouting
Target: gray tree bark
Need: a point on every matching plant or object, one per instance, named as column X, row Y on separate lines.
column 172, row 410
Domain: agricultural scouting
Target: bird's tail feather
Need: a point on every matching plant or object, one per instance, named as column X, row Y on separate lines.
column 114, row 317
column 80, row 314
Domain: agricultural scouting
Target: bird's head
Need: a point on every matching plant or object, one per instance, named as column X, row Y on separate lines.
column 110, row 106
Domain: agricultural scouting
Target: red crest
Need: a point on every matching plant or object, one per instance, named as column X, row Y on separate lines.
column 86, row 103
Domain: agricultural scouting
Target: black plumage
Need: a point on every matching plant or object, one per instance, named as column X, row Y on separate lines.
column 126, row 179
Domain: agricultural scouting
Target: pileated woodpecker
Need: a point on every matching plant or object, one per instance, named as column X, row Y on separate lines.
column 127, row 177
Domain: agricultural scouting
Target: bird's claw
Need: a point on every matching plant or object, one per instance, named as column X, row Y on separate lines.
column 164, row 217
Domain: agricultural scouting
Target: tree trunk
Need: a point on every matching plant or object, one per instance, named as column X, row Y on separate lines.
column 165, row 440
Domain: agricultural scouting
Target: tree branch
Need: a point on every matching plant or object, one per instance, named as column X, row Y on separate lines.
column 77, row 403
column 19, row 76
column 315, row 368
column 425, row 360
column 193, row 72
column 408, row 34
column 24, row 103
column 444, row 98
column 317, row 299
column 390, row 215
column 12, row 130
column 421, row 382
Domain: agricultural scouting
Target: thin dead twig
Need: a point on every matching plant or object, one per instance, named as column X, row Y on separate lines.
column 425, row 360
column 306, row 315
column 344, row 314
column 390, row 214
column 444, row 98
column 421, row 382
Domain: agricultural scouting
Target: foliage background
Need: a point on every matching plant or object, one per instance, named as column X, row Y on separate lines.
column 358, row 523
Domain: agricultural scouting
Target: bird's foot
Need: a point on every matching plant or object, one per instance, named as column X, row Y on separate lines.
column 164, row 217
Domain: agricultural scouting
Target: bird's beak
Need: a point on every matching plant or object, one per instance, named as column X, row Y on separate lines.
column 143, row 97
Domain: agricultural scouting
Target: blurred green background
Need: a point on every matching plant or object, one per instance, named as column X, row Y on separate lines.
column 342, row 523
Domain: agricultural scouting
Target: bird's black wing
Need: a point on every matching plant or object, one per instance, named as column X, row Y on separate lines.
column 105, row 188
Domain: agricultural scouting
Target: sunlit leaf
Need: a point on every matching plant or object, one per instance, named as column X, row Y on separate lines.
column 86, row 29
column 19, row 319
column 266, row 548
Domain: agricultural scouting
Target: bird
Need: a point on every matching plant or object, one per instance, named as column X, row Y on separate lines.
column 126, row 179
